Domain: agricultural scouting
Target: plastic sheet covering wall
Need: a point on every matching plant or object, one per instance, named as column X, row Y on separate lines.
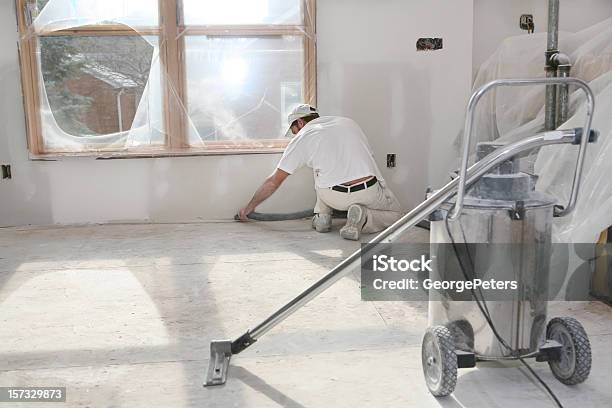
column 114, row 76
column 509, row 114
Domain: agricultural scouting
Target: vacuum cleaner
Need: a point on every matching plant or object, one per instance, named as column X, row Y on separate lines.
column 490, row 201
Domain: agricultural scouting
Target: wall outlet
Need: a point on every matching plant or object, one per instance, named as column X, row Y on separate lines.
column 391, row 160
column 5, row 169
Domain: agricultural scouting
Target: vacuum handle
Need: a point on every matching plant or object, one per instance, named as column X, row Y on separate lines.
column 468, row 130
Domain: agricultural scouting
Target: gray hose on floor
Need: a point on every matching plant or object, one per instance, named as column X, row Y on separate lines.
column 255, row 216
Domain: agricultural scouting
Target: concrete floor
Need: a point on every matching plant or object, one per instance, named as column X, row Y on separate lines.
column 122, row 315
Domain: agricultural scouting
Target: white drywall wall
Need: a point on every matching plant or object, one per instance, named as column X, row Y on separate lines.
column 409, row 103
column 496, row 20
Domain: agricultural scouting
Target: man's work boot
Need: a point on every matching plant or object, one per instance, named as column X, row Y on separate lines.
column 322, row 222
column 355, row 220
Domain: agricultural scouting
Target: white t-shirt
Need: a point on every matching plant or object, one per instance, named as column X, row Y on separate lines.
column 335, row 148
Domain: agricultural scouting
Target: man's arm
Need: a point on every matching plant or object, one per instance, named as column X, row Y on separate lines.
column 268, row 188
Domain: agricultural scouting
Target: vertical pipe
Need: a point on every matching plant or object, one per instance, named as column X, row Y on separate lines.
column 551, row 100
column 564, row 68
column 553, row 25
column 551, row 69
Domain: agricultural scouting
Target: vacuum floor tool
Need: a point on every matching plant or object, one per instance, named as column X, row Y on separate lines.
column 500, row 197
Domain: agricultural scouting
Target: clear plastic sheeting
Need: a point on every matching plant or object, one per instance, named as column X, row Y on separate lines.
column 57, row 15
column 113, row 76
column 237, row 86
column 103, row 95
column 509, row 114
column 205, row 12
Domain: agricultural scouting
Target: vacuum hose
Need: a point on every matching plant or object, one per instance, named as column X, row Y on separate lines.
column 255, row 216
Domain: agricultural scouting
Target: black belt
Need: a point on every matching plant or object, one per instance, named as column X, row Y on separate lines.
column 355, row 187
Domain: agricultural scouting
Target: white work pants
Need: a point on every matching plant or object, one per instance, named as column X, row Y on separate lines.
column 381, row 205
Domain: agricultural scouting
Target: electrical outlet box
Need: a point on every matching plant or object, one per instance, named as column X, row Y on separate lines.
column 5, row 169
column 527, row 23
column 391, row 160
column 429, row 44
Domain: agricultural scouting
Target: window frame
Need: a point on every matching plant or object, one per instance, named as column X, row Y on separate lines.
column 171, row 32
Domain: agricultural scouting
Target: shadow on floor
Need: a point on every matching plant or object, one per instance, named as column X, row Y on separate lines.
column 259, row 385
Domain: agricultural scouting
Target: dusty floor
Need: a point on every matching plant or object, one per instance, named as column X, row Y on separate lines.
column 122, row 315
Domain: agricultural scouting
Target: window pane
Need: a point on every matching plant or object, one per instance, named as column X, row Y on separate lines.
column 242, row 88
column 70, row 13
column 94, row 85
column 205, row 12
column 42, row 4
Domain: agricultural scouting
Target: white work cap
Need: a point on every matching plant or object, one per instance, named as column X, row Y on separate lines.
column 300, row 111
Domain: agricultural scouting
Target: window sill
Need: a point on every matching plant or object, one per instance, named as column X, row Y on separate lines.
column 149, row 154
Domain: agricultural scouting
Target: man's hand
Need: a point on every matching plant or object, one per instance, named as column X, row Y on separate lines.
column 266, row 190
column 243, row 213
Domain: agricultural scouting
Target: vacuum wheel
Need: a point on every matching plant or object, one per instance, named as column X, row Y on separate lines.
column 574, row 365
column 439, row 361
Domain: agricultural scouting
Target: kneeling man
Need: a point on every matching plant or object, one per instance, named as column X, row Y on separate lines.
column 346, row 175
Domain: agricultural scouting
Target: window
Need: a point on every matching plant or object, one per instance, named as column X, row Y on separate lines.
column 164, row 77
